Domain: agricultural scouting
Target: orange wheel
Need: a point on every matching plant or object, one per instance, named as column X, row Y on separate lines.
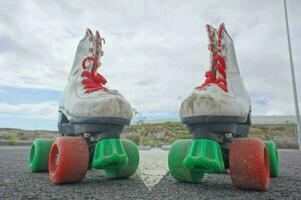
column 249, row 164
column 68, row 160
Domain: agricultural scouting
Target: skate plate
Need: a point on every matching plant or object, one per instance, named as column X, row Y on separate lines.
column 205, row 156
column 109, row 153
column 109, row 127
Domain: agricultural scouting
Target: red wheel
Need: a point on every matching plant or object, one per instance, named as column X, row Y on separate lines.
column 68, row 160
column 249, row 164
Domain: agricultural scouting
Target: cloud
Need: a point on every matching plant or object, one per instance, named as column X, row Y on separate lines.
column 44, row 110
column 155, row 52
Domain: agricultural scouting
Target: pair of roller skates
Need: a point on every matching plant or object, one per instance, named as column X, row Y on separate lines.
column 217, row 114
column 91, row 118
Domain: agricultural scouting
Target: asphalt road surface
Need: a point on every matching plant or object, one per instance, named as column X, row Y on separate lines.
column 17, row 182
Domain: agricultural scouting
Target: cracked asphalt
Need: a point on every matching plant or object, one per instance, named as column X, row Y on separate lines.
column 17, row 182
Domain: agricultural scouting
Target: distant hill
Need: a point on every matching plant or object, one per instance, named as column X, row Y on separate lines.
column 256, row 119
column 12, row 133
column 158, row 133
column 273, row 119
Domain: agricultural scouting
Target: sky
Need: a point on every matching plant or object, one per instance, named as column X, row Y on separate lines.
column 155, row 53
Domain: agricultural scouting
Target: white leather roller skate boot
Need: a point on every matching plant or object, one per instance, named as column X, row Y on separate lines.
column 98, row 114
column 86, row 105
column 217, row 114
column 91, row 119
column 218, row 109
column 221, row 104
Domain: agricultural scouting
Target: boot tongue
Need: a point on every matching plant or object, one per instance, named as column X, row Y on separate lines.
column 212, row 46
column 91, row 67
column 217, row 71
column 90, row 64
column 99, row 42
column 97, row 51
column 220, row 35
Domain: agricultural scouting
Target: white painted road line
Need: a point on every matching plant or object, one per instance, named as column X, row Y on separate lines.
column 153, row 166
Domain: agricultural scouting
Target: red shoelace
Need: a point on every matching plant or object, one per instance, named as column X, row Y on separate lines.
column 93, row 81
column 220, row 64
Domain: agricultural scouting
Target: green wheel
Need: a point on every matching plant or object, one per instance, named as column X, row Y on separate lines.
column 273, row 158
column 39, row 154
column 128, row 170
column 177, row 169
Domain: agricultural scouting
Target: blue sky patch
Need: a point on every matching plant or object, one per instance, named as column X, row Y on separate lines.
column 13, row 95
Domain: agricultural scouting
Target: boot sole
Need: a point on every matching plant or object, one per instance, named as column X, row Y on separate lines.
column 215, row 127
column 110, row 126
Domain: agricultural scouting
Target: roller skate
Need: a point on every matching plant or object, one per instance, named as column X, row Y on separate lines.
column 91, row 119
column 217, row 114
